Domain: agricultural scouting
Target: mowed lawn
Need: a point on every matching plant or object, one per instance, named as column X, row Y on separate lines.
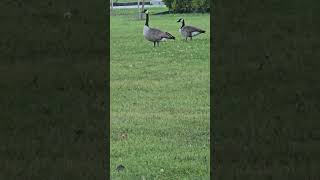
column 159, row 99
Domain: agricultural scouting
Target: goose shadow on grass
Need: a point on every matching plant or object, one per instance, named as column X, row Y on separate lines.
column 137, row 18
column 162, row 13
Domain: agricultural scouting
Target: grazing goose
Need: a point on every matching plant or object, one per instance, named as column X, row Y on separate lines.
column 189, row 31
column 154, row 35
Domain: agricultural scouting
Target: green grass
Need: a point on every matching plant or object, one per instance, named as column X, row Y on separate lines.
column 160, row 99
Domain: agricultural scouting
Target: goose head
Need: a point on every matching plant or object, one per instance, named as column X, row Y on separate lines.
column 146, row 11
column 180, row 20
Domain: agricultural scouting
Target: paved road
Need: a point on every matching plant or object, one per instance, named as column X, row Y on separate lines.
column 136, row 6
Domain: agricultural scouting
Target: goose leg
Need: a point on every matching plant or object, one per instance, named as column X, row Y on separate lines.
column 158, row 43
column 191, row 37
column 154, row 44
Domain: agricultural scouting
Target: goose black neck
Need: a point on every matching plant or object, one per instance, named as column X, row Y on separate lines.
column 182, row 24
column 147, row 20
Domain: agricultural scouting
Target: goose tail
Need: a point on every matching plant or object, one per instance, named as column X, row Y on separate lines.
column 170, row 36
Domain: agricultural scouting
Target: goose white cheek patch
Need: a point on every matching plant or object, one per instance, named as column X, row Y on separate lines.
column 164, row 39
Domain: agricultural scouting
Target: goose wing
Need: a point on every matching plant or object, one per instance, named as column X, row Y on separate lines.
column 158, row 34
column 191, row 29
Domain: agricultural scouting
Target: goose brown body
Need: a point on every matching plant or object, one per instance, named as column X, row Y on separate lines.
column 189, row 31
column 154, row 35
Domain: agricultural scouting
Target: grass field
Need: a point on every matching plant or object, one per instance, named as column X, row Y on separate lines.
column 159, row 99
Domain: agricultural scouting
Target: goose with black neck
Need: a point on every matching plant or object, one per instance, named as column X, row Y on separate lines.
column 154, row 35
column 189, row 31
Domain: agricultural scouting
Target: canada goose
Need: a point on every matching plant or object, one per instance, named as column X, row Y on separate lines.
column 152, row 34
column 189, row 31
